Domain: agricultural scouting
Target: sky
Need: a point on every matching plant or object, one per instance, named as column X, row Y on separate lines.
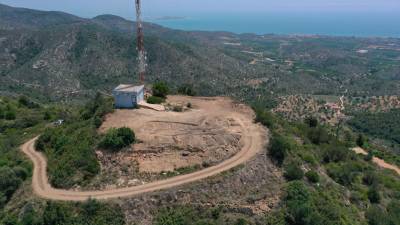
column 156, row 8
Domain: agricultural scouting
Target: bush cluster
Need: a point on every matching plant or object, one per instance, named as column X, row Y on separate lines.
column 306, row 206
column 187, row 89
column 345, row 173
column 264, row 117
column 189, row 215
column 160, row 89
column 312, row 176
column 63, row 213
column 294, row 144
column 155, row 100
column 311, row 121
column 318, row 135
column 116, row 139
column 279, row 148
column 17, row 122
column 70, row 147
column 10, row 180
column 293, row 172
column 379, row 125
column 70, row 153
column 377, row 215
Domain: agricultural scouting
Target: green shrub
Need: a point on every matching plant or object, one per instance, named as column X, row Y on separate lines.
column 309, row 158
column 241, row 221
column 377, row 124
column 370, row 178
column 393, row 210
column 155, row 100
column 376, row 216
column 312, row 176
column 357, row 197
column 275, row 218
column 344, row 173
column 116, row 139
column 70, row 148
column 311, row 121
column 98, row 107
column 318, row 135
column 26, row 121
column 360, row 140
column 348, row 138
column 264, row 117
column 10, row 115
column 97, row 121
column 47, row 115
column 3, row 200
column 298, row 202
column 127, row 135
column 43, row 140
column 160, row 89
column 2, row 112
column 304, row 205
column 369, row 156
column 9, row 181
column 297, row 191
column 21, row 172
column 90, row 212
column 178, row 216
column 189, row 215
column 293, row 172
column 278, row 148
column 24, row 101
column 186, row 89
column 373, row 194
column 72, row 159
column 335, row 153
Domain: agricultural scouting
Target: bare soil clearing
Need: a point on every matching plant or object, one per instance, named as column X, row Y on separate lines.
column 217, row 119
column 208, row 133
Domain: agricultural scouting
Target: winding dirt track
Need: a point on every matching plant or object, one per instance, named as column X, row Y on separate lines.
column 254, row 137
column 378, row 161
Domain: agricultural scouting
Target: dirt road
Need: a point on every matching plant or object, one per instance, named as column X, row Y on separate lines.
column 378, row 161
column 253, row 139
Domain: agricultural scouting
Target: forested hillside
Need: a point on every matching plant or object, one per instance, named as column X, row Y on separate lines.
column 53, row 55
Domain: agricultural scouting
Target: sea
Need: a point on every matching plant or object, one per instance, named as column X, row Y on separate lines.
column 357, row 24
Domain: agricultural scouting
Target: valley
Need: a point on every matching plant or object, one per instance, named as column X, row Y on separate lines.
column 73, row 58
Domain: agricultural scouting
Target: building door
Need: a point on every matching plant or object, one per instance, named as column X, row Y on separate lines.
column 134, row 103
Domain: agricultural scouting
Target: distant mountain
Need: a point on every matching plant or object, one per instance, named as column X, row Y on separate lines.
column 54, row 55
column 15, row 18
column 115, row 22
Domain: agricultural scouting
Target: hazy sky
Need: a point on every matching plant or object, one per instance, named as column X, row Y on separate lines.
column 125, row 8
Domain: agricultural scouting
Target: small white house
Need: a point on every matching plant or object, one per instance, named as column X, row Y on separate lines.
column 128, row 96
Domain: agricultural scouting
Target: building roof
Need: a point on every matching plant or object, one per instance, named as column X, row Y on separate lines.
column 129, row 88
column 333, row 106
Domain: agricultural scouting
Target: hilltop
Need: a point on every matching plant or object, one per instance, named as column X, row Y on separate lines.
column 20, row 18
